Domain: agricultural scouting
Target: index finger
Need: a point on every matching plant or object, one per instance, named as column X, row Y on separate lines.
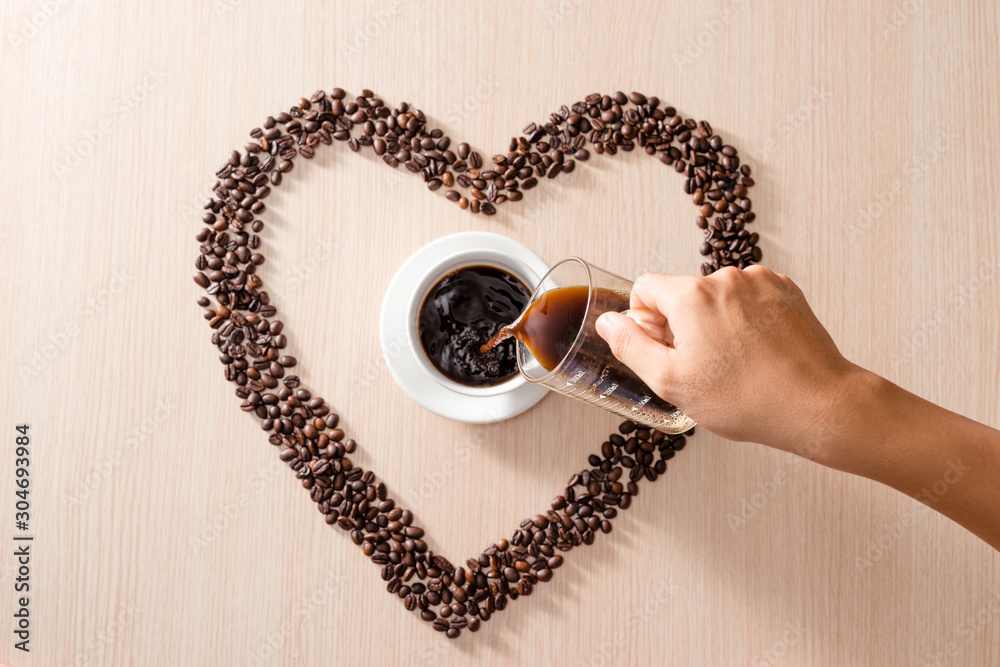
column 655, row 291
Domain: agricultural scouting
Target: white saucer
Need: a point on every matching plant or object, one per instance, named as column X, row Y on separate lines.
column 398, row 328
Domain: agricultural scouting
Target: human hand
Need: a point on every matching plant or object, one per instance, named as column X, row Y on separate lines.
column 740, row 352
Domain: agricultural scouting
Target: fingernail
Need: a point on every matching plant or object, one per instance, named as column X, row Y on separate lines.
column 603, row 325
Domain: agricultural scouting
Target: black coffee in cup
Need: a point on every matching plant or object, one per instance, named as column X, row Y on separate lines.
column 460, row 313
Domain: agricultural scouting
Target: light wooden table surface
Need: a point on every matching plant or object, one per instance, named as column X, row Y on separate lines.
column 167, row 532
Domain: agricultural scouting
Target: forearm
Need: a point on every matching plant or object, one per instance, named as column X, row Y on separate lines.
column 942, row 459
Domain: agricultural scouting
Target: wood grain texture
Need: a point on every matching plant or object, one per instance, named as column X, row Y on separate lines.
column 168, row 533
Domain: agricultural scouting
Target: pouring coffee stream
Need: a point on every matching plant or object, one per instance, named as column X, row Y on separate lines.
column 548, row 326
column 557, row 344
column 506, row 331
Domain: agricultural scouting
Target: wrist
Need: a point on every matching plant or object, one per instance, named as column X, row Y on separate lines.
column 844, row 418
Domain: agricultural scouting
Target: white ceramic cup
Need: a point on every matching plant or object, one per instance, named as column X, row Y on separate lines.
column 401, row 347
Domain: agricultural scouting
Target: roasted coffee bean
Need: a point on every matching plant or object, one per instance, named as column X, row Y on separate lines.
column 303, row 428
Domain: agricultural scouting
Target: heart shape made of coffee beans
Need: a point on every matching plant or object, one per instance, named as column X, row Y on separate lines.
column 252, row 344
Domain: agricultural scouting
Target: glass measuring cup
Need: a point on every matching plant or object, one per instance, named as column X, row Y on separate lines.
column 587, row 370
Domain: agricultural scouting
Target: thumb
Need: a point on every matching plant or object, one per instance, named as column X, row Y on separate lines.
column 646, row 356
